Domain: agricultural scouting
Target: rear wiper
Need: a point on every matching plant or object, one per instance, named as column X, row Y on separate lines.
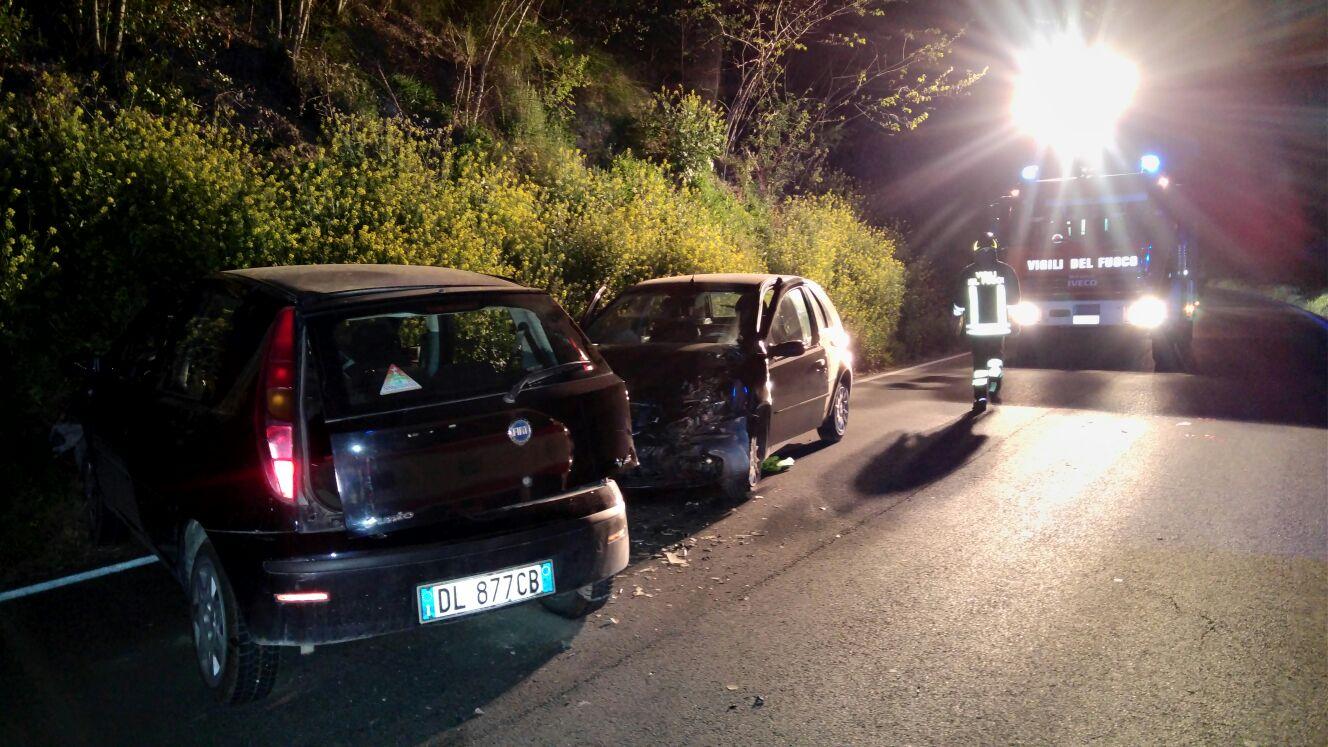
column 534, row 377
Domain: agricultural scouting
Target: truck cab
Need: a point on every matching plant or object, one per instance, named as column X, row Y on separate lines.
column 1100, row 252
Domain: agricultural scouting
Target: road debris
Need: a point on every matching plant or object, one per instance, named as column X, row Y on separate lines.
column 673, row 558
column 730, row 687
column 773, row 465
column 479, row 711
column 758, row 701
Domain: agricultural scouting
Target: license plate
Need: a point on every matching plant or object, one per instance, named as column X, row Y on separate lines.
column 487, row 591
column 1086, row 319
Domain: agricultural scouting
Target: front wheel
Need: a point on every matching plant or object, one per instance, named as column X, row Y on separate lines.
column 234, row 667
column 576, row 604
column 836, row 421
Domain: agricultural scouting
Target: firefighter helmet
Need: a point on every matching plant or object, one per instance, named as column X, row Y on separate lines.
column 987, row 242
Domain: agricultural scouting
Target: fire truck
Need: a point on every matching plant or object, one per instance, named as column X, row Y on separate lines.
column 1098, row 253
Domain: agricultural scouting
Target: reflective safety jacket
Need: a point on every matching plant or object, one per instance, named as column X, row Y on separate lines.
column 983, row 297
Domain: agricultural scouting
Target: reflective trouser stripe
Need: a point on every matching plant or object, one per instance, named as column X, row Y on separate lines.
column 994, row 367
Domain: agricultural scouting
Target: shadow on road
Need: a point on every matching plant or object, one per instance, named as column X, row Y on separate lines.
column 934, row 382
column 915, row 459
column 112, row 663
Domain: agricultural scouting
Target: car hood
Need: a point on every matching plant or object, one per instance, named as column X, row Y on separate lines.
column 664, row 373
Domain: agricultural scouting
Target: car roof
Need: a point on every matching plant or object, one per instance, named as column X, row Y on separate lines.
column 754, row 279
column 318, row 280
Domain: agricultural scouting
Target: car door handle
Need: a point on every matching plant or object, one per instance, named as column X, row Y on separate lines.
column 819, row 365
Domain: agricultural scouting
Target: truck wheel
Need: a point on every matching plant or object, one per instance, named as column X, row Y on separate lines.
column 738, row 487
column 233, row 667
column 836, row 421
column 104, row 527
column 1170, row 355
column 575, row 605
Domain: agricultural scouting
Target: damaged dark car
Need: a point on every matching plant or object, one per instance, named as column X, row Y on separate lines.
column 722, row 370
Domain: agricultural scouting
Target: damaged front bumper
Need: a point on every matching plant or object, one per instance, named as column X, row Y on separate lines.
column 678, row 458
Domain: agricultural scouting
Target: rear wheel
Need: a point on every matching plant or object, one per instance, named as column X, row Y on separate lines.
column 575, row 605
column 104, row 527
column 234, row 668
column 836, row 421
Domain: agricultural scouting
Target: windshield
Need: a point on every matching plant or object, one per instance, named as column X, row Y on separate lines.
column 676, row 316
column 422, row 354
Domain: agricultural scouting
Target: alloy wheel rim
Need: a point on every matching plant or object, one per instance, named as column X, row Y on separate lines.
column 841, row 408
column 209, row 622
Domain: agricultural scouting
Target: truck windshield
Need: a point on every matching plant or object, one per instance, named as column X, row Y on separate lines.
column 1111, row 240
column 435, row 352
column 675, row 316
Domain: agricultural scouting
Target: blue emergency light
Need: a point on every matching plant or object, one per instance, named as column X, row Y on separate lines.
column 1150, row 163
column 1030, row 172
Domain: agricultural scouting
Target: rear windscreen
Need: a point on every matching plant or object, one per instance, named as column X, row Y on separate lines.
column 425, row 353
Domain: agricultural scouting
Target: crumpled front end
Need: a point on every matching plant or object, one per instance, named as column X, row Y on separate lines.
column 698, row 439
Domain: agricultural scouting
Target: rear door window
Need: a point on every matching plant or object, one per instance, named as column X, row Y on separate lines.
column 424, row 353
column 199, row 369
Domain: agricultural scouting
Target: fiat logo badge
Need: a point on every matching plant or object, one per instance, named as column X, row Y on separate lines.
column 520, row 431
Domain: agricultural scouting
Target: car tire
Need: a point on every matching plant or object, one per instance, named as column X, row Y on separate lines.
column 104, row 527
column 234, row 667
column 836, row 421
column 738, row 487
column 578, row 603
column 1169, row 355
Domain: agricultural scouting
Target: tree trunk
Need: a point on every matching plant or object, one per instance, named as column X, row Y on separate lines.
column 95, row 27
column 115, row 35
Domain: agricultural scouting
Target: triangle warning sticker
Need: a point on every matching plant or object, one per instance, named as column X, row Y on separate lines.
column 397, row 381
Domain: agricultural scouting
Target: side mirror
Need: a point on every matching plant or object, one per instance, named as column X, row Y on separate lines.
column 790, row 349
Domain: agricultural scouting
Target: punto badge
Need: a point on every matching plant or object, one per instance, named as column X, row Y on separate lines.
column 519, row 431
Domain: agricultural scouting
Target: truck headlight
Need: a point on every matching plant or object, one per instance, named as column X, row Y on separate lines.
column 1147, row 312
column 1025, row 314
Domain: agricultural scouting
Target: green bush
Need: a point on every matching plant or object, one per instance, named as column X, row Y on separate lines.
column 822, row 238
column 413, row 95
column 684, row 131
column 107, row 205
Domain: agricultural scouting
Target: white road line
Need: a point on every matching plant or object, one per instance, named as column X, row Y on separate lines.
column 76, row 578
column 883, row 374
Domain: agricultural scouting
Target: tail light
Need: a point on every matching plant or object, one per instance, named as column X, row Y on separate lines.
column 276, row 407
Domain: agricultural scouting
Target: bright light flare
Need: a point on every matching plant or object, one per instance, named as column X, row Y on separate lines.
column 1025, row 313
column 1148, row 312
column 1069, row 96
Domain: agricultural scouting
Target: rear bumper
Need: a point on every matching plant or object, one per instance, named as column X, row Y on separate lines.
column 373, row 592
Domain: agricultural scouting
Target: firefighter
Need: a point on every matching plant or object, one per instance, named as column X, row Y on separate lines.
column 986, row 290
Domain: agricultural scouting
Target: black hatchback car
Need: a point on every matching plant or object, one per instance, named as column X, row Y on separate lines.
column 326, row 453
column 722, row 369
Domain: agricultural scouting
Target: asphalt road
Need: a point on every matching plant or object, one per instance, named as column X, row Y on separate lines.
column 1112, row 556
